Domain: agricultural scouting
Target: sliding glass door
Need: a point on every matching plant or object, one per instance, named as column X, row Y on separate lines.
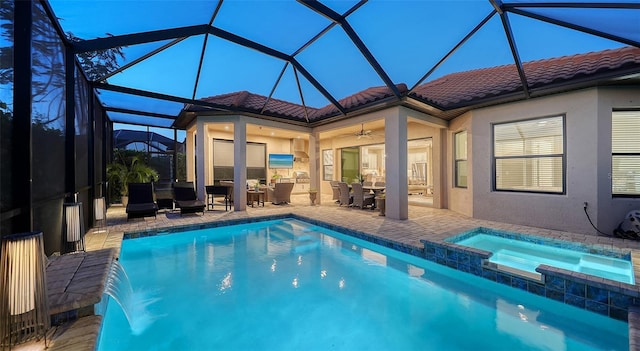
column 350, row 170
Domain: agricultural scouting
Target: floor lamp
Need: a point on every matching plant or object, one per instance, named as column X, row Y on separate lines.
column 100, row 212
column 24, row 308
column 73, row 227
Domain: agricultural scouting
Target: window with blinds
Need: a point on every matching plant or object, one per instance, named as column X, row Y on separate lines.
column 529, row 155
column 625, row 153
column 460, row 159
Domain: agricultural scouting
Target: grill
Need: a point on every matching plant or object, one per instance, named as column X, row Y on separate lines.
column 302, row 177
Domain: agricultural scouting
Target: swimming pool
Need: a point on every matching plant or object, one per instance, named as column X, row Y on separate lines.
column 289, row 285
column 526, row 256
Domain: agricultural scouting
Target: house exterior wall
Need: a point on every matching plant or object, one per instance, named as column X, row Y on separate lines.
column 458, row 199
column 611, row 211
column 587, row 156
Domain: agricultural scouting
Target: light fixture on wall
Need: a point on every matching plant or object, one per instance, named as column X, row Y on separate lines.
column 24, row 307
column 73, row 227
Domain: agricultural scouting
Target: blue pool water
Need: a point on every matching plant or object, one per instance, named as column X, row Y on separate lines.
column 527, row 256
column 288, row 285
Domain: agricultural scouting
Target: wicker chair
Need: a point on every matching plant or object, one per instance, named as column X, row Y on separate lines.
column 345, row 194
column 361, row 198
column 280, row 193
column 186, row 198
column 335, row 190
column 141, row 203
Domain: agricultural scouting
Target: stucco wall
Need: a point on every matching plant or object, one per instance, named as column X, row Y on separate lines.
column 611, row 211
column 562, row 212
column 459, row 199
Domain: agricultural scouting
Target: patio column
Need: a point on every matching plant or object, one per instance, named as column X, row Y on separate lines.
column 314, row 164
column 395, row 134
column 240, row 165
column 200, row 158
column 190, row 157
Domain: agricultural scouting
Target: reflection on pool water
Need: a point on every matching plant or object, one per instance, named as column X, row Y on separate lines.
column 289, row 285
column 527, row 256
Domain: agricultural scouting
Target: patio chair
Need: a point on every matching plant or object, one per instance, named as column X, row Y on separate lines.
column 345, row 194
column 186, row 199
column 361, row 198
column 217, row 190
column 141, row 203
column 280, row 193
column 164, row 195
column 229, row 184
column 335, row 190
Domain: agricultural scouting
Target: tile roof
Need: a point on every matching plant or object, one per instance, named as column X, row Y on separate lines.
column 462, row 89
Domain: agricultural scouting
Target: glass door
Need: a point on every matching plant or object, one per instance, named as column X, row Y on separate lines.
column 350, row 170
column 420, row 167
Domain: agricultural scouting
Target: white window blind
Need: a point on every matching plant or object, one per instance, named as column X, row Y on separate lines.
column 222, row 153
column 625, row 149
column 256, row 155
column 529, row 155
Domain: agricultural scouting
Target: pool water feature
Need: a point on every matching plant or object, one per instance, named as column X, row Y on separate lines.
column 289, row 285
column 526, row 256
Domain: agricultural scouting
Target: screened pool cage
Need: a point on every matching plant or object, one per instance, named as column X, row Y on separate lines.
column 74, row 73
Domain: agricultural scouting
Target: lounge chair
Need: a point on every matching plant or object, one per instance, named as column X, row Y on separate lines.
column 141, row 203
column 164, row 195
column 280, row 193
column 186, row 199
column 361, row 198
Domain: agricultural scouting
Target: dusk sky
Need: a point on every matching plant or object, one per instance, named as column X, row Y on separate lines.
column 407, row 38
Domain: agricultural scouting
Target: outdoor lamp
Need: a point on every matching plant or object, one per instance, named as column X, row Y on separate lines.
column 73, row 226
column 100, row 211
column 24, row 308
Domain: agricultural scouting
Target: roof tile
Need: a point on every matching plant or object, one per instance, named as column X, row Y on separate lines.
column 469, row 86
column 453, row 90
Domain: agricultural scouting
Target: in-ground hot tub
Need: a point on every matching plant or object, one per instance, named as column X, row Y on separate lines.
column 522, row 254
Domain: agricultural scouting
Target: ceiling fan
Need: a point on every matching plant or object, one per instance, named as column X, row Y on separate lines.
column 363, row 133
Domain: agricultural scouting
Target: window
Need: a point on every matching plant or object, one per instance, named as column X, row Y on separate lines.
column 625, row 153
column 327, row 161
column 460, row 159
column 529, row 155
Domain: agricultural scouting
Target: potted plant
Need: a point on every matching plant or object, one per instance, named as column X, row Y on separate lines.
column 313, row 193
column 275, row 177
column 380, row 203
column 120, row 174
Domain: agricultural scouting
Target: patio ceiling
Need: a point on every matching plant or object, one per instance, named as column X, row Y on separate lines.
column 318, row 53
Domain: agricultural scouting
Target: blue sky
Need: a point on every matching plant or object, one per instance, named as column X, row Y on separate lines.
column 407, row 38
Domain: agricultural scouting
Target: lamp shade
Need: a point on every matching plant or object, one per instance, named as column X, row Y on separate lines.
column 100, row 209
column 24, row 309
column 74, row 226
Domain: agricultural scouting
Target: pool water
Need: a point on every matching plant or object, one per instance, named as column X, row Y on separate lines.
column 527, row 256
column 289, row 285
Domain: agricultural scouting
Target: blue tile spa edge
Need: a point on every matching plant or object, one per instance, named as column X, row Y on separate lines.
column 604, row 296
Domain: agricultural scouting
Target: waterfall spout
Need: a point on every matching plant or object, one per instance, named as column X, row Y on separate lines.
column 134, row 305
